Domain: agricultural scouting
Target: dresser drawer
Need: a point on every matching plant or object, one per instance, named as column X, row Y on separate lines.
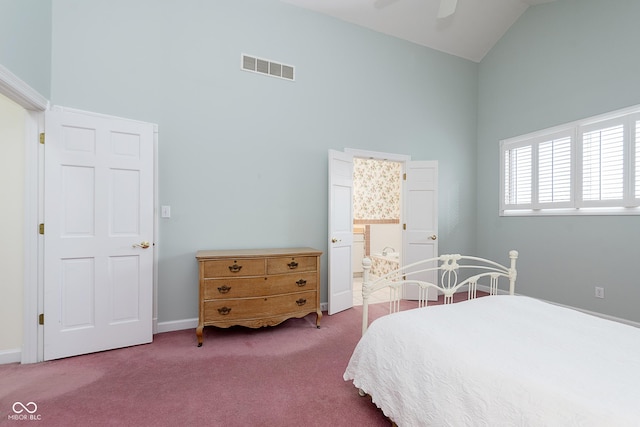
column 292, row 303
column 287, row 283
column 237, row 287
column 251, row 308
column 233, row 267
column 291, row 264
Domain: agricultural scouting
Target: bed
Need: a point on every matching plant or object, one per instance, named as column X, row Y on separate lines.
column 499, row 360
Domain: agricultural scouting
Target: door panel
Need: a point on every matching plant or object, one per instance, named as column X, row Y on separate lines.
column 421, row 220
column 123, row 273
column 98, row 210
column 124, row 215
column 77, row 293
column 340, row 284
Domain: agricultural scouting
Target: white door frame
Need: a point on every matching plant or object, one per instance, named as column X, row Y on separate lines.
column 35, row 104
column 378, row 155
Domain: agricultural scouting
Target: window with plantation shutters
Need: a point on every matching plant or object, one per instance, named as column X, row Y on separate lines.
column 538, row 172
column 588, row 167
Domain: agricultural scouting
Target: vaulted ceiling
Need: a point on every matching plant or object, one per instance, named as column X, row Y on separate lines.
column 470, row 32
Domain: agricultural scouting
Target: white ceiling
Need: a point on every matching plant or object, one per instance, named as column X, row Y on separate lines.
column 469, row 33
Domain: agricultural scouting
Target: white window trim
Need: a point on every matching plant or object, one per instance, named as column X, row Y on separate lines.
column 629, row 205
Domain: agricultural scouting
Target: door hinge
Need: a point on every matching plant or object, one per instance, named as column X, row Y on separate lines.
column 41, row 319
column 41, row 229
column 404, row 176
column 41, row 137
column 404, row 226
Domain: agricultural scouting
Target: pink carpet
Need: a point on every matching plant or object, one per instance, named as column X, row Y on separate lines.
column 288, row 375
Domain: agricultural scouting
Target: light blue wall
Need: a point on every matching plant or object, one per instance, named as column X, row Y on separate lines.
column 560, row 62
column 25, row 41
column 243, row 157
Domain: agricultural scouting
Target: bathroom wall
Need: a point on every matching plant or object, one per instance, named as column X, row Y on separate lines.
column 358, row 249
column 383, row 235
column 376, row 190
column 376, row 208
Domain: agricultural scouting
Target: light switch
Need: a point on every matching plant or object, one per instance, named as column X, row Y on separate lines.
column 165, row 212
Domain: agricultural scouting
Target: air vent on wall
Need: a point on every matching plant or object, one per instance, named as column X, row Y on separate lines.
column 267, row 67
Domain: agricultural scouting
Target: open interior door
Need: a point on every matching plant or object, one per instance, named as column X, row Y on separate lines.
column 340, row 282
column 98, row 236
column 420, row 226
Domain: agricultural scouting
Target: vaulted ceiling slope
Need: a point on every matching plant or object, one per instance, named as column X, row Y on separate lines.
column 469, row 32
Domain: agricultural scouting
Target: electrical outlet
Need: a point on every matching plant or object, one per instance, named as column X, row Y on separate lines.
column 599, row 292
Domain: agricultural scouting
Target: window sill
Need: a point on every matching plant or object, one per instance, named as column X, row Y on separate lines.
column 571, row 212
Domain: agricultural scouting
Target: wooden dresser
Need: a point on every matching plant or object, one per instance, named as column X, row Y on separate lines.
column 257, row 287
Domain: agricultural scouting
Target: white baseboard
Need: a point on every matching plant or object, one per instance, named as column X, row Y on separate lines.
column 487, row 289
column 176, row 325
column 324, row 306
column 593, row 313
column 13, row 355
column 601, row 315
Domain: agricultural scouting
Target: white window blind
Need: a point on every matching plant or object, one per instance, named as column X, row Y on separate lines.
column 518, row 176
column 554, row 170
column 603, row 164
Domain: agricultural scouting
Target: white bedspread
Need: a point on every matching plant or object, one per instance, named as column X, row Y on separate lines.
column 500, row 361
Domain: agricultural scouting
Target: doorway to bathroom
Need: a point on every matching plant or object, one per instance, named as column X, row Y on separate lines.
column 377, row 229
column 418, row 222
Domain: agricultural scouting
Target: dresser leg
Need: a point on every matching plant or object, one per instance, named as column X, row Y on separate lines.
column 318, row 317
column 199, row 334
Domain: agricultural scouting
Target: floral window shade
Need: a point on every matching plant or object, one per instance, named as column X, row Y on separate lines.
column 376, row 189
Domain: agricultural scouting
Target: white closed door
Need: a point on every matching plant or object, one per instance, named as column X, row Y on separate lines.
column 98, row 233
column 420, row 234
column 340, row 283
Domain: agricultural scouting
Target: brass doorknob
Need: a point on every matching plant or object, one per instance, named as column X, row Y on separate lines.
column 143, row 245
column 434, row 237
column 334, row 240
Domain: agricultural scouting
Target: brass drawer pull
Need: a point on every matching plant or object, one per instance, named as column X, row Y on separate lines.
column 301, row 302
column 224, row 311
column 301, row 282
column 293, row 265
column 224, row 289
column 235, row 268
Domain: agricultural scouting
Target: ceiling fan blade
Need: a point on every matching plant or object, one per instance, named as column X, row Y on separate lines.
column 447, row 8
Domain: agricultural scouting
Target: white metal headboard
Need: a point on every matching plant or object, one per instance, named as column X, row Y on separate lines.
column 448, row 268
